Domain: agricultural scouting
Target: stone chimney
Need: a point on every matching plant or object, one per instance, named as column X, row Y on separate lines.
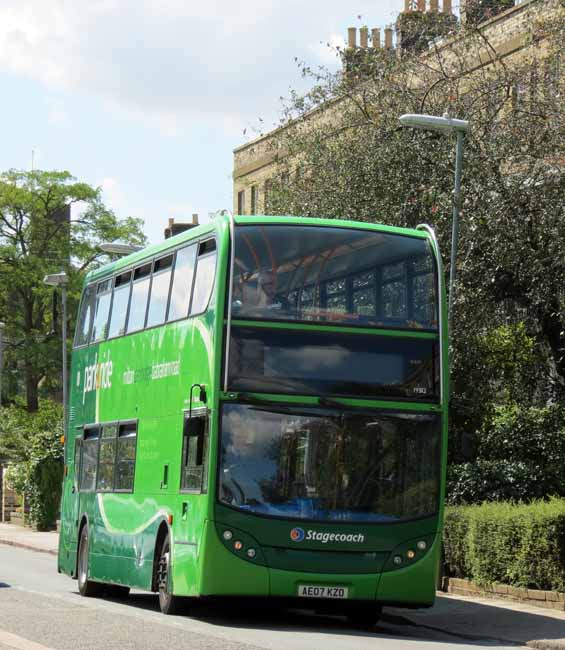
column 176, row 228
column 376, row 37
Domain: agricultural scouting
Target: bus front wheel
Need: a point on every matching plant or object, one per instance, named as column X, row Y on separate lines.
column 86, row 587
column 168, row 602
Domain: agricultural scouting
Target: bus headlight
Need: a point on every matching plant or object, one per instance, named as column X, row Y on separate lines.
column 421, row 545
column 227, row 535
column 397, row 559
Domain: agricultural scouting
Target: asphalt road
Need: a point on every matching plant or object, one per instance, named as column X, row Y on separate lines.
column 41, row 610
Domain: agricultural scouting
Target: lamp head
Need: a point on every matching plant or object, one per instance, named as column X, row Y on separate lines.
column 56, row 279
column 434, row 123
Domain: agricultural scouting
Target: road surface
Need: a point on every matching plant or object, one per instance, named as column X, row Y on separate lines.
column 41, row 610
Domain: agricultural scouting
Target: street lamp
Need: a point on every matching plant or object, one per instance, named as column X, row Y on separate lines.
column 119, row 249
column 62, row 280
column 447, row 125
column 2, row 326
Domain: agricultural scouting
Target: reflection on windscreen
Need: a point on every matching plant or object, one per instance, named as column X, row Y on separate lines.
column 327, row 466
column 333, row 275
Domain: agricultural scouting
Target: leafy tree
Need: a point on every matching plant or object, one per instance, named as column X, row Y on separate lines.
column 343, row 155
column 48, row 222
column 32, row 443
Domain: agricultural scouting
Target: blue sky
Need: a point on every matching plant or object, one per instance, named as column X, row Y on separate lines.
column 148, row 99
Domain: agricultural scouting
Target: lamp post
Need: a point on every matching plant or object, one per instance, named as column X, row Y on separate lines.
column 62, row 280
column 456, row 127
column 2, row 326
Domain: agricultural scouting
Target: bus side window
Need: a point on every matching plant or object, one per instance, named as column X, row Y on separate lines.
column 205, row 274
column 182, row 283
column 103, row 300
column 139, row 296
column 125, row 457
column 160, row 286
column 89, row 458
column 107, row 458
column 122, row 285
column 194, row 453
column 86, row 316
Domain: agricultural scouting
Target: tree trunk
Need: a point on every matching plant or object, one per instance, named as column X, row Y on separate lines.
column 32, row 389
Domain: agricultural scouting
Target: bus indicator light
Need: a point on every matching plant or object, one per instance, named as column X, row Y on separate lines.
column 411, row 554
column 238, row 545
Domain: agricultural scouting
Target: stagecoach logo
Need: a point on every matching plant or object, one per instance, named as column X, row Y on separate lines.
column 298, row 535
column 98, row 375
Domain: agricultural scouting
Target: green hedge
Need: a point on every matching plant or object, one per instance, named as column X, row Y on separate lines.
column 522, row 545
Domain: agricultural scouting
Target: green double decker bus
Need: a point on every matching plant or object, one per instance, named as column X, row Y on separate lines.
column 259, row 408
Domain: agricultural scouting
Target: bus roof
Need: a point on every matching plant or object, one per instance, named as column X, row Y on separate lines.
column 207, row 228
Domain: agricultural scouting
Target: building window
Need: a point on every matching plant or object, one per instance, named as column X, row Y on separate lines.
column 254, row 199
column 241, row 202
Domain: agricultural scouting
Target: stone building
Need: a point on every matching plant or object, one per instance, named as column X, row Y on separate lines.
column 506, row 24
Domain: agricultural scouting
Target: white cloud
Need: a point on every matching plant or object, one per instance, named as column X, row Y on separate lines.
column 173, row 65
column 327, row 51
column 114, row 196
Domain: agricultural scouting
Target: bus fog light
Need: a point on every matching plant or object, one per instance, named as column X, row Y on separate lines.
column 251, row 553
column 227, row 535
column 421, row 545
column 238, row 545
column 397, row 559
column 410, row 554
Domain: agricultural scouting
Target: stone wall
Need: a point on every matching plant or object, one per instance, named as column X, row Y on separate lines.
column 10, row 502
column 536, row 597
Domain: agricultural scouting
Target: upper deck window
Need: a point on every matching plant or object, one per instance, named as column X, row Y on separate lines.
column 205, row 273
column 103, row 301
column 182, row 282
column 160, row 291
column 122, row 286
column 86, row 316
column 334, row 275
column 139, row 295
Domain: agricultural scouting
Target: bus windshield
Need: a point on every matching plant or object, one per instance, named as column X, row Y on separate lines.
column 322, row 465
column 333, row 275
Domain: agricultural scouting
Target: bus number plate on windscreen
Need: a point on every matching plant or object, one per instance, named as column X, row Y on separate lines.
column 319, row 591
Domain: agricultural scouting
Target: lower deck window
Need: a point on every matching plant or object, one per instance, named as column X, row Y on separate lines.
column 105, row 457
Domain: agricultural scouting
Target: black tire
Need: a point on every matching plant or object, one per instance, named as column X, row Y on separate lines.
column 365, row 616
column 86, row 587
column 119, row 592
column 168, row 602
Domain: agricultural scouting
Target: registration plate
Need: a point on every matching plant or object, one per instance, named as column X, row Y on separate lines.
column 319, row 591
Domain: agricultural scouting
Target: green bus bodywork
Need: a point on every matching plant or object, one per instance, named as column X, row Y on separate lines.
column 144, row 380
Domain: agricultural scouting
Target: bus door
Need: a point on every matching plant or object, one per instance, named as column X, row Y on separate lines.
column 70, row 501
column 194, row 476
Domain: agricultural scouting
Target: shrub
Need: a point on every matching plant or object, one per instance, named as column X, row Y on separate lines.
column 521, row 456
column 32, row 442
column 517, row 544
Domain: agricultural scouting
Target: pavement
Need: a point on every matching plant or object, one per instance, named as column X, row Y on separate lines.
column 460, row 616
